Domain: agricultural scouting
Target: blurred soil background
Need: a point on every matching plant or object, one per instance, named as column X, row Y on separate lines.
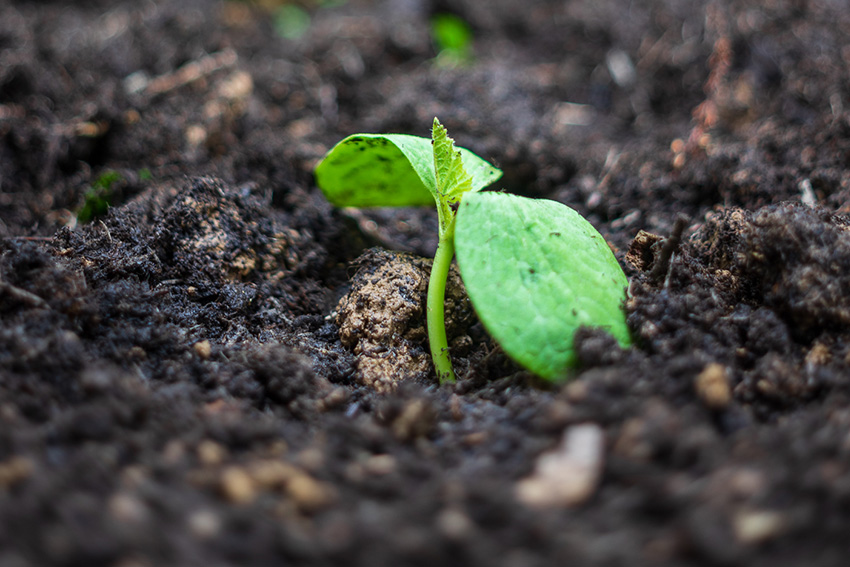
column 175, row 388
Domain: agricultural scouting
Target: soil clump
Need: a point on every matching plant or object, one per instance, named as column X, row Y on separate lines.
column 202, row 374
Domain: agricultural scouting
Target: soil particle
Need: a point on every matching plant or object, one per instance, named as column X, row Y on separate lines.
column 237, row 486
column 793, row 258
column 754, row 527
column 14, row 470
column 382, row 317
column 287, row 377
column 206, row 228
column 308, row 494
column 569, row 475
column 416, row 419
column 643, row 250
column 712, row 386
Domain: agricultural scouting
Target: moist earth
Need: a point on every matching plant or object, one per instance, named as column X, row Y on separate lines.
column 223, row 369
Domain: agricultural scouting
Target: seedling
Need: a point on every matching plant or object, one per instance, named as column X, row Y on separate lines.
column 97, row 198
column 535, row 270
column 453, row 38
column 291, row 21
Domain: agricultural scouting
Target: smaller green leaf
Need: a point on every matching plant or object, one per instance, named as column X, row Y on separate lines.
column 390, row 170
column 451, row 33
column 536, row 271
column 98, row 196
column 291, row 21
column 452, row 37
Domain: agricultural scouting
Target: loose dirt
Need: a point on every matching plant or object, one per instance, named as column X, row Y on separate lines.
column 189, row 378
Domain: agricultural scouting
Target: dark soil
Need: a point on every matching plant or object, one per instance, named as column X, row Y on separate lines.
column 174, row 389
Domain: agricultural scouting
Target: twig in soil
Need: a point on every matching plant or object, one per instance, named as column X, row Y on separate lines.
column 650, row 59
column 662, row 264
column 33, row 238
column 22, row 295
column 108, row 235
column 188, row 73
column 608, row 169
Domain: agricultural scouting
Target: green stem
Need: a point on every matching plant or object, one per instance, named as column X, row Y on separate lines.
column 436, row 308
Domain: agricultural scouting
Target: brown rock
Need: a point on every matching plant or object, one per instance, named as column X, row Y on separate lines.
column 309, row 494
column 203, row 349
column 14, row 471
column 712, row 386
column 211, row 453
column 382, row 318
column 237, row 485
column 567, row 476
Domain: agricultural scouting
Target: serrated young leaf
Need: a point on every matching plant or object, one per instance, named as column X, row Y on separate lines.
column 452, row 178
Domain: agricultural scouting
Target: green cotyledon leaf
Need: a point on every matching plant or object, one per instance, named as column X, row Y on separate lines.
column 390, row 170
column 535, row 271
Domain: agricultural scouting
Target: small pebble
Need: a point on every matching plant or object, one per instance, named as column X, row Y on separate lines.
column 137, row 353
column 127, row 508
column 173, row 452
column 568, row 475
column 455, row 407
column 309, row 494
column 195, row 135
column 277, row 448
column 15, row 470
column 312, row 459
column 753, row 527
column 576, row 391
column 204, row 524
column 712, row 386
column 454, row 524
column 271, row 474
column 380, row 465
column 475, row 438
column 746, row 483
column 632, row 442
column 133, row 476
column 237, row 485
column 819, row 355
column 211, row 453
column 336, row 398
column 9, row 413
column 203, row 349
column 416, row 420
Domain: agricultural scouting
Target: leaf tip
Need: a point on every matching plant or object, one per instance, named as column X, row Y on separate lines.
column 437, row 128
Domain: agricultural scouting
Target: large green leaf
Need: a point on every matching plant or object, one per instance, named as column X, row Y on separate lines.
column 536, row 271
column 389, row 170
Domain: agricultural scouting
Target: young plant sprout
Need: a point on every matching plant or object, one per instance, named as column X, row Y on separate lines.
column 453, row 38
column 534, row 269
column 98, row 197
